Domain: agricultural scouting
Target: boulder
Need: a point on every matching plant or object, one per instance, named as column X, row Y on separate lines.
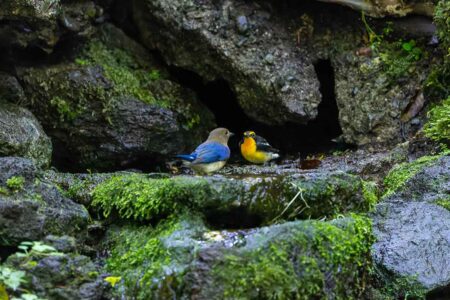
column 235, row 202
column 22, row 135
column 42, row 24
column 30, row 208
column 181, row 258
column 113, row 106
column 412, row 225
column 242, row 43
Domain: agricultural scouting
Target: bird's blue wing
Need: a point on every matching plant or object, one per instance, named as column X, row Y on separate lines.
column 210, row 152
column 187, row 157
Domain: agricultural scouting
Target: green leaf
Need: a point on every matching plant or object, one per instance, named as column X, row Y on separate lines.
column 29, row 297
column 14, row 279
column 27, row 243
column 23, row 247
column 39, row 247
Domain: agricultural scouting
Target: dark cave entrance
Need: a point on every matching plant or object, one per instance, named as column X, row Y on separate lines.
column 291, row 139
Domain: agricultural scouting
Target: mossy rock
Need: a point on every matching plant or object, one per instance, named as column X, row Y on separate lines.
column 113, row 105
column 181, row 258
column 411, row 225
column 30, row 208
column 230, row 201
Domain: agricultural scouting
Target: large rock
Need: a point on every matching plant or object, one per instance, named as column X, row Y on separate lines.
column 30, row 208
column 239, row 41
column 234, row 202
column 181, row 258
column 412, row 228
column 378, row 86
column 22, row 135
column 42, row 24
column 113, row 107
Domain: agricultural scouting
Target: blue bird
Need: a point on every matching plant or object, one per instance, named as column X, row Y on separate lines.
column 211, row 155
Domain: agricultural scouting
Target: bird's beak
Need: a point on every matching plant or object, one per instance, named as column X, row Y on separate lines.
column 231, row 134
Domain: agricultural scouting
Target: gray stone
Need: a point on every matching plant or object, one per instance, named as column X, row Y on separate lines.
column 22, row 135
column 36, row 24
column 201, row 38
column 10, row 88
column 32, row 209
column 412, row 230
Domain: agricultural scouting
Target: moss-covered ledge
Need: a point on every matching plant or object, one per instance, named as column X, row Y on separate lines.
column 180, row 257
column 264, row 199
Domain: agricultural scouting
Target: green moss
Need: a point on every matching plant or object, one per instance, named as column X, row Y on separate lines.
column 438, row 126
column 312, row 261
column 370, row 193
column 390, row 286
column 442, row 21
column 3, row 191
column 138, row 197
column 445, row 203
column 400, row 174
column 15, row 183
column 146, row 259
column 396, row 58
column 124, row 72
column 437, row 85
column 66, row 112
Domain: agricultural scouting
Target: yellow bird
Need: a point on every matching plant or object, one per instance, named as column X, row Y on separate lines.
column 256, row 149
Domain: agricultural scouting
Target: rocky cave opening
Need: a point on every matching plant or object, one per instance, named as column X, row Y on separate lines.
column 291, row 139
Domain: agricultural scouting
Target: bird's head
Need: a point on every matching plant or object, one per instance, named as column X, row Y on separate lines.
column 249, row 134
column 220, row 135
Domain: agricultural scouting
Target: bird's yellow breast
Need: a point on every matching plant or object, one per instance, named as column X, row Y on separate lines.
column 250, row 152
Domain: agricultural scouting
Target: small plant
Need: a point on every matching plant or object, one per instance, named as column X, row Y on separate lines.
column 155, row 74
column 12, row 279
column 399, row 57
column 36, row 248
column 113, row 280
column 3, row 191
column 15, row 183
column 65, row 111
column 445, row 203
column 438, row 126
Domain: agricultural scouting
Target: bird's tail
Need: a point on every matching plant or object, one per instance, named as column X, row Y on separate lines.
column 186, row 157
column 275, row 155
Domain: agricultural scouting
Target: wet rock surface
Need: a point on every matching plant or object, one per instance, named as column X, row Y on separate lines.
column 282, row 260
column 31, row 208
column 412, row 228
column 240, row 42
column 22, row 135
